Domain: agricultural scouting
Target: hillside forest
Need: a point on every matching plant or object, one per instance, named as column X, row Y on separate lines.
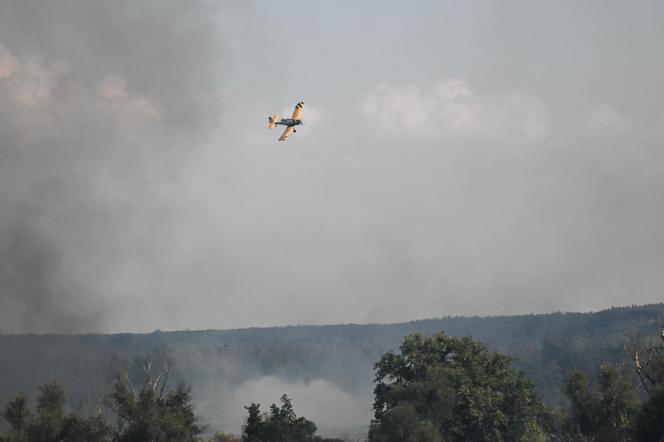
column 600, row 378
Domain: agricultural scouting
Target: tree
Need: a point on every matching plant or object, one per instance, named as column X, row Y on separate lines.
column 649, row 366
column 650, row 421
column 280, row 425
column 283, row 425
column 648, row 361
column 445, row 388
column 583, row 412
column 225, row 437
column 51, row 423
column 608, row 414
column 154, row 412
column 77, row 428
column 48, row 422
column 618, row 405
column 253, row 430
column 17, row 413
column 402, row 423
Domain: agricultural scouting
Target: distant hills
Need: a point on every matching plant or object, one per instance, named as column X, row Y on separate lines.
column 545, row 347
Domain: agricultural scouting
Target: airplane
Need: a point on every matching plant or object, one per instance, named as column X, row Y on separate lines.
column 290, row 123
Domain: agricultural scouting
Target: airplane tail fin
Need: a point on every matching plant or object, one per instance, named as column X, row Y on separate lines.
column 272, row 121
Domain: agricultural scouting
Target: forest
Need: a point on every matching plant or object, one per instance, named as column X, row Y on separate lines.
column 565, row 376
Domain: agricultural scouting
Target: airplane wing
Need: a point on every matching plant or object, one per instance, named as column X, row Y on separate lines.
column 286, row 133
column 298, row 111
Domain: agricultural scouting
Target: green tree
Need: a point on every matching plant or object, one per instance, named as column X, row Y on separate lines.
column 649, row 366
column 280, row 425
column 583, row 412
column 534, row 432
column 225, row 437
column 608, row 414
column 402, row 423
column 153, row 412
column 445, row 388
column 618, row 405
column 283, row 425
column 254, row 429
column 49, row 420
column 650, row 421
column 17, row 413
column 95, row 428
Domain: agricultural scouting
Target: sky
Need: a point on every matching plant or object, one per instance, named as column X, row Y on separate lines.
column 456, row 158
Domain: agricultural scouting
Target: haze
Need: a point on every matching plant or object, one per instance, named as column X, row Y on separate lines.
column 456, row 158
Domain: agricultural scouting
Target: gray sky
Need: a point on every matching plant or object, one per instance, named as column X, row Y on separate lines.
column 468, row 158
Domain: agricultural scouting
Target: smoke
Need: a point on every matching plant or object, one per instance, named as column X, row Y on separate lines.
column 101, row 108
column 333, row 391
column 333, row 410
column 141, row 190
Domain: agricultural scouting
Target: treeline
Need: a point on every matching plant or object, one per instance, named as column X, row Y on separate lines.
column 545, row 347
column 434, row 389
column 442, row 388
column 149, row 412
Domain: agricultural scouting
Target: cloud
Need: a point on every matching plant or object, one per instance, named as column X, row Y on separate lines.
column 450, row 107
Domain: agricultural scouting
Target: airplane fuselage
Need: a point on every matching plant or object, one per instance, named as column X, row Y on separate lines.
column 289, row 122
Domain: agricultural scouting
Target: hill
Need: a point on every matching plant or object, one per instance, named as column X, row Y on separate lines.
column 217, row 363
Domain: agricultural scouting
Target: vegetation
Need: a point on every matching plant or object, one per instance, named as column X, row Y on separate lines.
column 51, row 422
column 150, row 412
column 442, row 388
column 545, row 347
column 225, row 437
column 153, row 412
column 608, row 414
column 648, row 360
column 435, row 387
column 280, row 425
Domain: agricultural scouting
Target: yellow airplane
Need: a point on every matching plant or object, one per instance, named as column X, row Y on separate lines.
column 290, row 123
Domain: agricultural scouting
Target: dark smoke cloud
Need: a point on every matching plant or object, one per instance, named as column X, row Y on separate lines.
column 101, row 106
